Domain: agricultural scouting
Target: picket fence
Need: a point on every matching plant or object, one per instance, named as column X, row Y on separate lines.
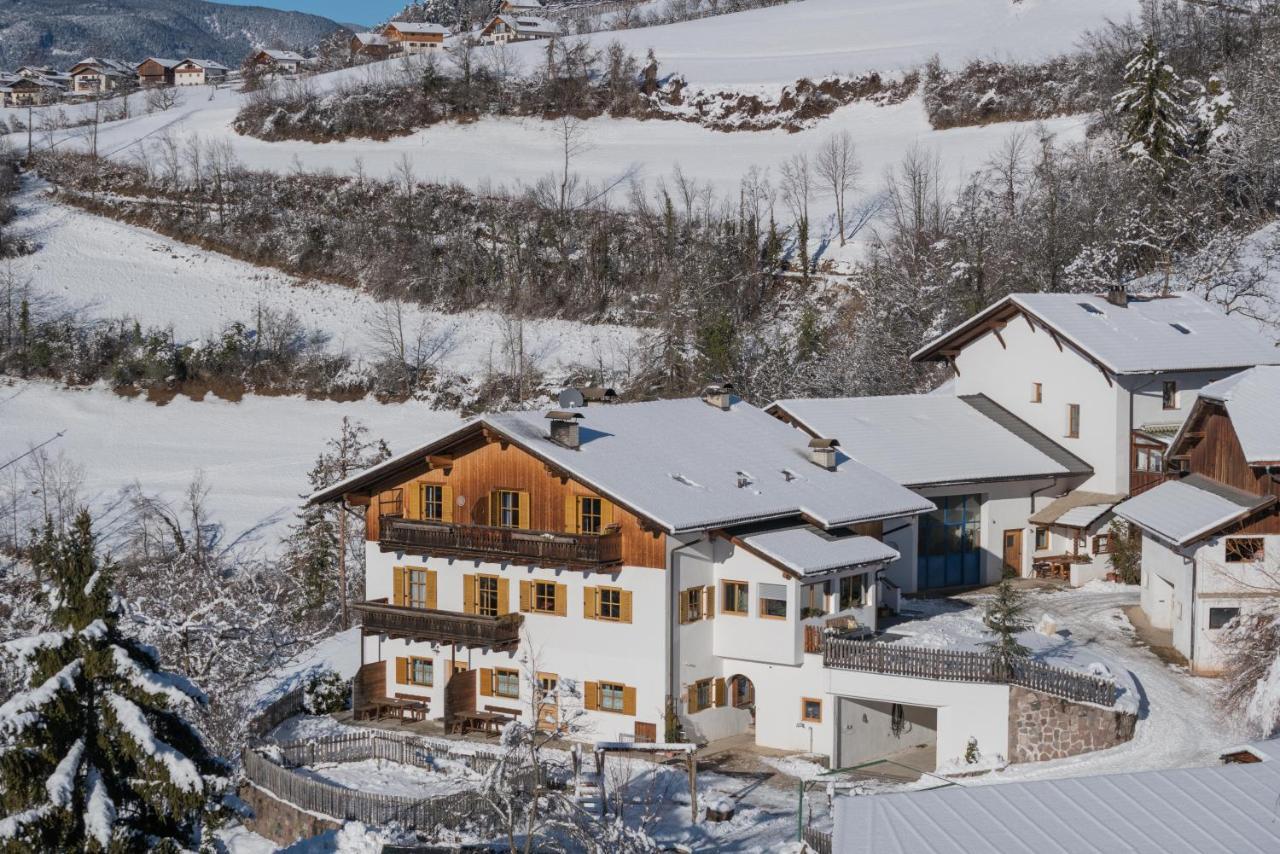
column 948, row 665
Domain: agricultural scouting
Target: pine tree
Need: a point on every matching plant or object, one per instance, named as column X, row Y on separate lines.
column 96, row 754
column 1005, row 615
column 318, row 545
column 1154, row 130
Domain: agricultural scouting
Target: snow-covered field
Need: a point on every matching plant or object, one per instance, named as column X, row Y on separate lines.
column 112, row 269
column 254, row 454
column 393, row 778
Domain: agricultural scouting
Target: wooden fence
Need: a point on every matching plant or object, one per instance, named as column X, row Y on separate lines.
column 947, row 665
column 277, row 776
column 817, row 840
column 279, row 711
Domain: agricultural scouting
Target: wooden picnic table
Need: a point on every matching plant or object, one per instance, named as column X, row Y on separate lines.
column 489, row 723
column 1056, row 566
column 393, row 707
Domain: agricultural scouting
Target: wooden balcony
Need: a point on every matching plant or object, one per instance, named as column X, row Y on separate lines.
column 434, row 626
column 478, row 542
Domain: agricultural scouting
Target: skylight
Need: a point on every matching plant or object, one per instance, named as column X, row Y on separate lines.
column 1092, row 309
column 1178, row 326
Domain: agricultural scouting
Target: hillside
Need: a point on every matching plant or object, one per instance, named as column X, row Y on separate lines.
column 62, row 31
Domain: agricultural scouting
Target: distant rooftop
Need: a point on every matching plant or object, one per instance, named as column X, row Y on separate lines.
column 1180, row 332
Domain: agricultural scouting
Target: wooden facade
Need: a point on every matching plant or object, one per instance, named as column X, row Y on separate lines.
column 153, row 73
column 477, row 467
column 1209, row 446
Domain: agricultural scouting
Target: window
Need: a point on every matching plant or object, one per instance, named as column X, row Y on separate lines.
column 1073, row 420
column 506, row 682
column 590, row 515
column 773, row 601
column 1037, row 392
column 949, row 543
column 1180, row 328
column 609, row 604
column 811, row 710
column 487, row 595
column 850, row 592
column 544, row 597
column 507, row 510
column 702, row 693
column 1244, row 549
column 1042, row 539
column 1102, row 544
column 734, row 599
column 692, row 604
column 813, row 600
column 1169, row 395
column 1219, row 617
column 433, row 501
column 612, row 697
column 547, row 684
column 1148, row 458
column 417, row 587
column 421, row 672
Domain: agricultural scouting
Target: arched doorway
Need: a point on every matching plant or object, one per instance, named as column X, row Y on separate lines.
column 742, row 695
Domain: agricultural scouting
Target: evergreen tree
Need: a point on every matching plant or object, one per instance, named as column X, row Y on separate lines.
column 96, row 754
column 1006, row 616
column 1155, row 132
column 318, row 545
column 1125, row 558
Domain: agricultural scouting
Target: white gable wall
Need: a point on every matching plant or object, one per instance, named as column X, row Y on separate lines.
column 1007, row 374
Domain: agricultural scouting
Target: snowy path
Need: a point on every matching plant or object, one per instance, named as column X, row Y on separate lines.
column 1180, row 724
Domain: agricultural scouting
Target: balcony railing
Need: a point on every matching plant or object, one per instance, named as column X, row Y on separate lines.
column 434, row 626
column 547, row 548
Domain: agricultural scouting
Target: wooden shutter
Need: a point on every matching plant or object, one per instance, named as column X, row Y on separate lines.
column 684, row 607
column 562, row 599
column 431, row 589
column 493, row 508
column 486, row 682
column 526, row 596
column 413, row 501
column 526, row 509
column 397, row 586
column 504, row 596
column 628, row 700
column 719, row 692
column 709, row 602
column 591, row 696
column 402, row 671
column 626, row 607
column 691, row 696
column 606, row 514
column 446, row 504
column 570, row 513
column 588, row 603
column 469, row 594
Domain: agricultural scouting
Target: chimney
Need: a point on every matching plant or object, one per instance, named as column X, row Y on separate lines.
column 564, row 428
column 719, row 395
column 1118, row 295
column 822, row 453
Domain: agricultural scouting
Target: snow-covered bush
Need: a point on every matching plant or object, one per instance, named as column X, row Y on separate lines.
column 325, row 693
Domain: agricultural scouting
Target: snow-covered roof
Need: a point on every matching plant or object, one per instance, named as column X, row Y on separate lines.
column 1220, row 808
column 206, row 64
column 1182, row 511
column 521, row 5
column 284, row 55
column 371, row 39
column 1181, row 332
column 528, row 24
column 808, row 551
column 1083, row 516
column 689, row 466
column 420, row 29
column 110, row 67
column 164, row 63
column 1075, row 506
column 925, row 439
column 1252, row 400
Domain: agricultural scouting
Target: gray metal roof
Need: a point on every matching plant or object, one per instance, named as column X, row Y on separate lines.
column 1183, row 511
column 1211, row 810
column 806, row 551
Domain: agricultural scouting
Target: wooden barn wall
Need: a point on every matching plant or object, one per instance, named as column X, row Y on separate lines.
column 1220, row 456
column 481, row 467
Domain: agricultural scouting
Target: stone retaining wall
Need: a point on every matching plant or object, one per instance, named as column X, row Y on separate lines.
column 281, row 822
column 1043, row 727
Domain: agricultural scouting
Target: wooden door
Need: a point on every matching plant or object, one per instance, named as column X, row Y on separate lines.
column 460, row 694
column 1013, row 551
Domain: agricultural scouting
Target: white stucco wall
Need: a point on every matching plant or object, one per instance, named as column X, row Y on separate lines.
column 1247, row 586
column 1166, row 590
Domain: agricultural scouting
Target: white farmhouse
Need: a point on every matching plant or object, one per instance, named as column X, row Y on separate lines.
column 504, row 28
column 1109, row 378
column 199, row 72
column 1211, row 534
column 980, row 465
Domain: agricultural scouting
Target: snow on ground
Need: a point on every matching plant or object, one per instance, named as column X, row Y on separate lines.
column 394, row 778
column 956, row 624
column 254, row 454
column 113, row 269
column 339, row 652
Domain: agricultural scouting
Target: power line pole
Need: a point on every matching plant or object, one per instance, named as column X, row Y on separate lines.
column 29, row 127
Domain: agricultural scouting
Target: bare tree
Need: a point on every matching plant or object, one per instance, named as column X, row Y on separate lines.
column 837, row 164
